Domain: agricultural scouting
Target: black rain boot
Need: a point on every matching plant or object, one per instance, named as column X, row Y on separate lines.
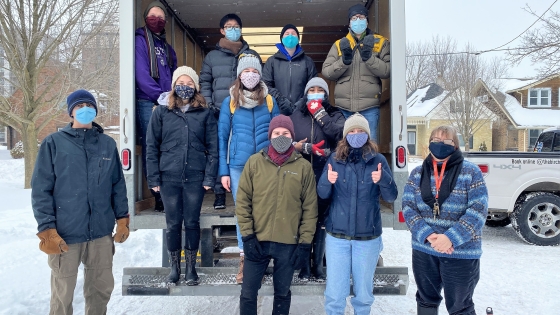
column 318, row 254
column 426, row 310
column 220, row 202
column 191, row 277
column 175, row 263
column 159, row 202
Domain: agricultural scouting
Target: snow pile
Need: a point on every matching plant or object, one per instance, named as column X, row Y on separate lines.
column 418, row 106
column 531, row 118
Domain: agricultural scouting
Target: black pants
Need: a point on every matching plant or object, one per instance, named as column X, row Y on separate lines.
column 182, row 202
column 253, row 273
column 458, row 277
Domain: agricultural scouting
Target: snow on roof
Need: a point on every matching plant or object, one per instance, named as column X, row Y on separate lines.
column 422, row 101
column 531, row 118
column 506, row 85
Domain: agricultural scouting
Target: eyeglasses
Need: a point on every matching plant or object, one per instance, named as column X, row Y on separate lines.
column 356, row 17
column 445, row 141
column 229, row 27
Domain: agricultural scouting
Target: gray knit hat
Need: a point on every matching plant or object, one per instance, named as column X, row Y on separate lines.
column 317, row 81
column 248, row 61
column 184, row 70
column 356, row 121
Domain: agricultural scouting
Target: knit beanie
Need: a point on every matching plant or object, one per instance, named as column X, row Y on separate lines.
column 281, row 121
column 317, row 81
column 357, row 9
column 184, row 70
column 356, row 121
column 287, row 27
column 248, row 61
column 79, row 97
column 152, row 5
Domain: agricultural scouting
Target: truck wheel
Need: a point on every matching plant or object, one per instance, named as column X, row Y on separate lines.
column 498, row 223
column 537, row 219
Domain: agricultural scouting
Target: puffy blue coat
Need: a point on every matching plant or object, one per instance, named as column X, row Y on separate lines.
column 355, row 209
column 249, row 133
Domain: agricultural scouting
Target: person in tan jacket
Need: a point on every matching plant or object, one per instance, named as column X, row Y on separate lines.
column 357, row 63
column 277, row 212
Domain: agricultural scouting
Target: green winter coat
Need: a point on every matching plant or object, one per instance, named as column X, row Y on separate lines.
column 277, row 203
column 358, row 85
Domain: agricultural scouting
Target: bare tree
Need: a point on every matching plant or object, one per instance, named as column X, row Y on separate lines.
column 43, row 43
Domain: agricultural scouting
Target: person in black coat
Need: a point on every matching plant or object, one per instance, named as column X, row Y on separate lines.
column 288, row 70
column 182, row 162
column 318, row 127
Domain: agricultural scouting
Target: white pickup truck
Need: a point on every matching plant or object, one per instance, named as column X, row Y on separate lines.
column 524, row 189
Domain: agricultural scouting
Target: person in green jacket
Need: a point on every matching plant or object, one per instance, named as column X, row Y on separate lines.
column 277, row 212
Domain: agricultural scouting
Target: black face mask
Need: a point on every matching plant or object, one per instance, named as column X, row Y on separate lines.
column 441, row 150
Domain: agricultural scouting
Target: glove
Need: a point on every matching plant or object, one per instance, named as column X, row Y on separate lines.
column 316, row 149
column 122, row 230
column 366, row 48
column 252, row 247
column 315, row 107
column 301, row 255
column 346, row 50
column 51, row 243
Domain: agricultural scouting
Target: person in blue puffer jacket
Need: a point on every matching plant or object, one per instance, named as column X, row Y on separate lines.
column 243, row 127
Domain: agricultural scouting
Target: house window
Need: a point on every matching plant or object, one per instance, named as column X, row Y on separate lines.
column 3, row 135
column 539, row 97
column 411, row 142
column 455, row 107
column 533, row 136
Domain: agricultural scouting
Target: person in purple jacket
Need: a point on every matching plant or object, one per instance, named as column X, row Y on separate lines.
column 155, row 62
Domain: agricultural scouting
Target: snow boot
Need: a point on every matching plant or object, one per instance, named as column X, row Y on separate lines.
column 220, row 202
column 426, row 310
column 239, row 276
column 305, row 272
column 191, row 277
column 318, row 254
column 175, row 263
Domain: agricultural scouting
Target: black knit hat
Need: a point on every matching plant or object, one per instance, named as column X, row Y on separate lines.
column 155, row 4
column 287, row 27
column 357, row 9
column 79, row 97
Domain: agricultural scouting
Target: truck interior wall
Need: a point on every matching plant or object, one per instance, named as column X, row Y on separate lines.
column 179, row 44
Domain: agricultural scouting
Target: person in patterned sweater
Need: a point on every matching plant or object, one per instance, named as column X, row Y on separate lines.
column 445, row 203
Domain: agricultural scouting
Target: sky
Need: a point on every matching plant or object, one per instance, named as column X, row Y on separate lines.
column 486, row 24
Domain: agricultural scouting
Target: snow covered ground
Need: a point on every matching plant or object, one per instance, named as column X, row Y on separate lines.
column 516, row 278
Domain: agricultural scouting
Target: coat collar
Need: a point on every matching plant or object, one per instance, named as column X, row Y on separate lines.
column 95, row 130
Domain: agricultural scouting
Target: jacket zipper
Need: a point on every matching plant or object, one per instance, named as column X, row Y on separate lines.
column 290, row 86
column 311, row 141
column 254, row 135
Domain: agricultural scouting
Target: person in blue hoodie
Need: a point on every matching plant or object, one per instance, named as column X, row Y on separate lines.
column 243, row 128
column 355, row 177
column 287, row 72
column 154, row 65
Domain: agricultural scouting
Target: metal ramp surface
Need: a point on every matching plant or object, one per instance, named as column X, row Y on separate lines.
column 220, row 281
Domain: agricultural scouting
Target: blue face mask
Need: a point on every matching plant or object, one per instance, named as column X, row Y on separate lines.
column 290, row 41
column 85, row 115
column 358, row 26
column 315, row 96
column 185, row 92
column 357, row 140
column 233, row 34
column 441, row 150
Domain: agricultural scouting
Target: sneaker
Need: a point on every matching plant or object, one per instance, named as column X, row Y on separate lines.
column 220, row 202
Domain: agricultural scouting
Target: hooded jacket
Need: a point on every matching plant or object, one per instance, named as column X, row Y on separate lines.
column 78, row 187
column 148, row 88
column 358, row 85
column 287, row 76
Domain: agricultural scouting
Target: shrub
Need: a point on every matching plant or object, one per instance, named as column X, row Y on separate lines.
column 17, row 151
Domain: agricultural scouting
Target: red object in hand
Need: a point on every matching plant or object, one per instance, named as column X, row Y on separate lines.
column 314, row 106
column 316, row 148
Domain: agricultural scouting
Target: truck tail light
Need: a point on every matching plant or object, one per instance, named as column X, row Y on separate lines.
column 401, row 217
column 125, row 159
column 400, row 156
column 483, row 168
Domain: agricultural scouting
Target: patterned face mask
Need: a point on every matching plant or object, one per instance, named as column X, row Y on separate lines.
column 250, row 79
column 281, row 144
column 185, row 92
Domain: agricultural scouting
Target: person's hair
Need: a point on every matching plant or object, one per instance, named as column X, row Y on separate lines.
column 343, row 149
column 175, row 102
column 237, row 93
column 230, row 16
column 449, row 132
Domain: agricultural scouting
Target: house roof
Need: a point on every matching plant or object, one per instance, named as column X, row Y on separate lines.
column 527, row 84
column 531, row 118
column 511, row 85
column 423, row 100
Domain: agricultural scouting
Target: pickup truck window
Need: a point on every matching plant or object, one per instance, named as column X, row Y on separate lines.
column 546, row 140
column 556, row 147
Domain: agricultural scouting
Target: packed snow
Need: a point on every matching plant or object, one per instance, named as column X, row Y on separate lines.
column 531, row 117
column 516, row 278
column 418, row 106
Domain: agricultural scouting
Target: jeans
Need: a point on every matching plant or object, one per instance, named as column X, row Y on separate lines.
column 458, row 277
column 371, row 115
column 356, row 258
column 182, row 202
column 234, row 176
column 283, row 273
column 144, row 109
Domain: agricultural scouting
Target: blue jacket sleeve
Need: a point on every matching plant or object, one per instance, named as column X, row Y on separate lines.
column 224, row 131
column 275, row 109
column 153, row 143
column 386, row 184
column 144, row 81
column 42, row 187
column 119, row 200
column 324, row 187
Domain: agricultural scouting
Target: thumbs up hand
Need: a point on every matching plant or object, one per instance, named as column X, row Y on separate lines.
column 376, row 175
column 332, row 175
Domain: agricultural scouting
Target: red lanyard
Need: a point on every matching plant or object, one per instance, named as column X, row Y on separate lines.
column 437, row 176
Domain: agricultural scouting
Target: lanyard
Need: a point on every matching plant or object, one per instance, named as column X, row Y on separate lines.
column 437, row 176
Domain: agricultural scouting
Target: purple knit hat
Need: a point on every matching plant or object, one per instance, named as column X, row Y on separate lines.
column 281, row 121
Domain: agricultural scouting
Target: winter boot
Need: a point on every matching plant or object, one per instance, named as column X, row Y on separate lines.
column 426, row 310
column 159, row 202
column 239, row 276
column 305, row 272
column 191, row 278
column 318, row 254
column 220, row 202
column 175, row 263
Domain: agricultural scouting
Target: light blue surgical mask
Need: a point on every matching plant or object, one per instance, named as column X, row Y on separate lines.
column 315, row 96
column 233, row 34
column 357, row 140
column 290, row 41
column 358, row 26
column 85, row 115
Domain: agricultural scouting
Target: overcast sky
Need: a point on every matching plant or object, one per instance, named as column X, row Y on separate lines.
column 486, row 24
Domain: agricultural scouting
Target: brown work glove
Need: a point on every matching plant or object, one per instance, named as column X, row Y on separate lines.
column 51, row 242
column 122, row 230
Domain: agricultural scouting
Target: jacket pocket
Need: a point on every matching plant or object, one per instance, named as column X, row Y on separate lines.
column 164, row 147
column 169, row 160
